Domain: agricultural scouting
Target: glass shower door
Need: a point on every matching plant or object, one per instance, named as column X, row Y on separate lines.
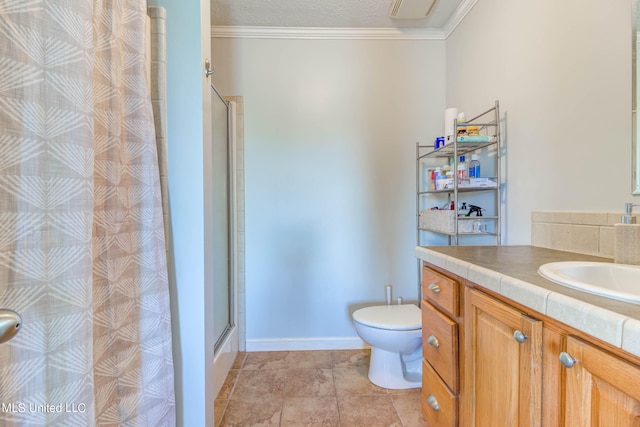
column 222, row 223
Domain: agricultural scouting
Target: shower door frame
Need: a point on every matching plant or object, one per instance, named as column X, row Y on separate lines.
column 231, row 229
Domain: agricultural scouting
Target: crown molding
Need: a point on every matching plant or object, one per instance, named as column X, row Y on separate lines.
column 327, row 33
column 458, row 15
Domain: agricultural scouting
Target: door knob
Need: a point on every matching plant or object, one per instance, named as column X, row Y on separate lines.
column 10, row 324
column 208, row 68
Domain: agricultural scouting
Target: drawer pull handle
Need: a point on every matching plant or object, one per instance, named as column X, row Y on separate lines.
column 567, row 360
column 433, row 402
column 433, row 341
column 520, row 336
column 434, row 287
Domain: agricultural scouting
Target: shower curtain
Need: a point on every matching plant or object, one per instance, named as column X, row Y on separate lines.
column 82, row 252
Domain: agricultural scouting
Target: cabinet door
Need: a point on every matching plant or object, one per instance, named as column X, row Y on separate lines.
column 503, row 366
column 601, row 390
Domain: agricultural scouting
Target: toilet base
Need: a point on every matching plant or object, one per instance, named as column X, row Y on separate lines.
column 394, row 370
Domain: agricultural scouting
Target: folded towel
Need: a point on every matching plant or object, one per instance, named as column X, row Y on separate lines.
column 477, row 138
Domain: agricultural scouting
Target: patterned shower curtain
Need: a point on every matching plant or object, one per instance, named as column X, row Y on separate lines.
column 82, row 252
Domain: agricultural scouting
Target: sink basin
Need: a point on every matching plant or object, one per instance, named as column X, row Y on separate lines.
column 617, row 281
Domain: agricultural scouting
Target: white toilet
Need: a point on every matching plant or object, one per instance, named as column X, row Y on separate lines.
column 395, row 335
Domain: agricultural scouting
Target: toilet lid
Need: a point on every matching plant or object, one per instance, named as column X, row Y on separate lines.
column 403, row 317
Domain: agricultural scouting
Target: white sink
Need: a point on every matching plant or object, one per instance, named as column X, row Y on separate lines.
column 617, row 281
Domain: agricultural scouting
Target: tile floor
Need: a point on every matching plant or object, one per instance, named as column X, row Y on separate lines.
column 311, row 388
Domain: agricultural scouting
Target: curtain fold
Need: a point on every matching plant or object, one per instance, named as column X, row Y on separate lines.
column 82, row 241
column 158, row 62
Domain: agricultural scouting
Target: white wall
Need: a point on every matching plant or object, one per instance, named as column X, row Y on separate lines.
column 330, row 134
column 188, row 126
column 562, row 73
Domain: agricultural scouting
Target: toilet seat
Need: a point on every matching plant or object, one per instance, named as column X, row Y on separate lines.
column 405, row 317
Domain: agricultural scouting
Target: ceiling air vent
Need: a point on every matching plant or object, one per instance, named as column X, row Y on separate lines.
column 410, row 9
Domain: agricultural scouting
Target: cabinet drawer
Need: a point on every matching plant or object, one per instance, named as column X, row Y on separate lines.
column 440, row 290
column 440, row 344
column 439, row 405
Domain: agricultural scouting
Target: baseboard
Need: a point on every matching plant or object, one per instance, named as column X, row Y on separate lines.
column 296, row 344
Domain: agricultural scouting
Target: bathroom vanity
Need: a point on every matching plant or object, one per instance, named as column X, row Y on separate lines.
column 503, row 346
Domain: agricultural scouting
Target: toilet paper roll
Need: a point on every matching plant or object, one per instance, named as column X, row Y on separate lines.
column 450, row 114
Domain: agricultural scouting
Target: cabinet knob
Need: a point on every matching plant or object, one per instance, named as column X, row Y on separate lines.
column 520, row 336
column 433, row 341
column 434, row 287
column 567, row 360
column 433, row 402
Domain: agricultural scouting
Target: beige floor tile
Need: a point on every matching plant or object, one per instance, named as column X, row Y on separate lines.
column 311, row 388
column 257, row 412
column 268, row 383
column 266, row 360
column 354, row 380
column 309, row 383
column 237, row 364
column 409, row 409
column 369, row 411
column 219, row 407
column 403, row 392
column 229, row 383
column 310, row 411
column 309, row 359
column 349, row 358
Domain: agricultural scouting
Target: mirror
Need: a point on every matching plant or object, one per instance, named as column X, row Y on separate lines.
column 635, row 151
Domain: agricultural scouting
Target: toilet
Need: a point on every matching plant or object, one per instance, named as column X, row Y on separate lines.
column 394, row 333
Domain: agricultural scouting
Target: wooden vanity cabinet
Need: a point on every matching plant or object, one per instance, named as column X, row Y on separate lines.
column 503, row 364
column 600, row 389
column 495, row 365
column 551, row 378
column 440, row 347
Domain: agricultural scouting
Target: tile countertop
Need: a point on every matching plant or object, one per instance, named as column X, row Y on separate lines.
column 512, row 271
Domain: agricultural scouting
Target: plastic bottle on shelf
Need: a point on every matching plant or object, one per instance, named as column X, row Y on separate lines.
column 462, row 121
column 462, row 170
column 437, row 174
column 449, row 179
column 474, row 167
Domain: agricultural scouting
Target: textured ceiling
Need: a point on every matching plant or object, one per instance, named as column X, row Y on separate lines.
column 322, row 13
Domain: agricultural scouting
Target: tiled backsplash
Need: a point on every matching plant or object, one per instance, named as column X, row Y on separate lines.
column 590, row 233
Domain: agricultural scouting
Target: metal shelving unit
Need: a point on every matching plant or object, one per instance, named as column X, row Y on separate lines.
column 488, row 124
